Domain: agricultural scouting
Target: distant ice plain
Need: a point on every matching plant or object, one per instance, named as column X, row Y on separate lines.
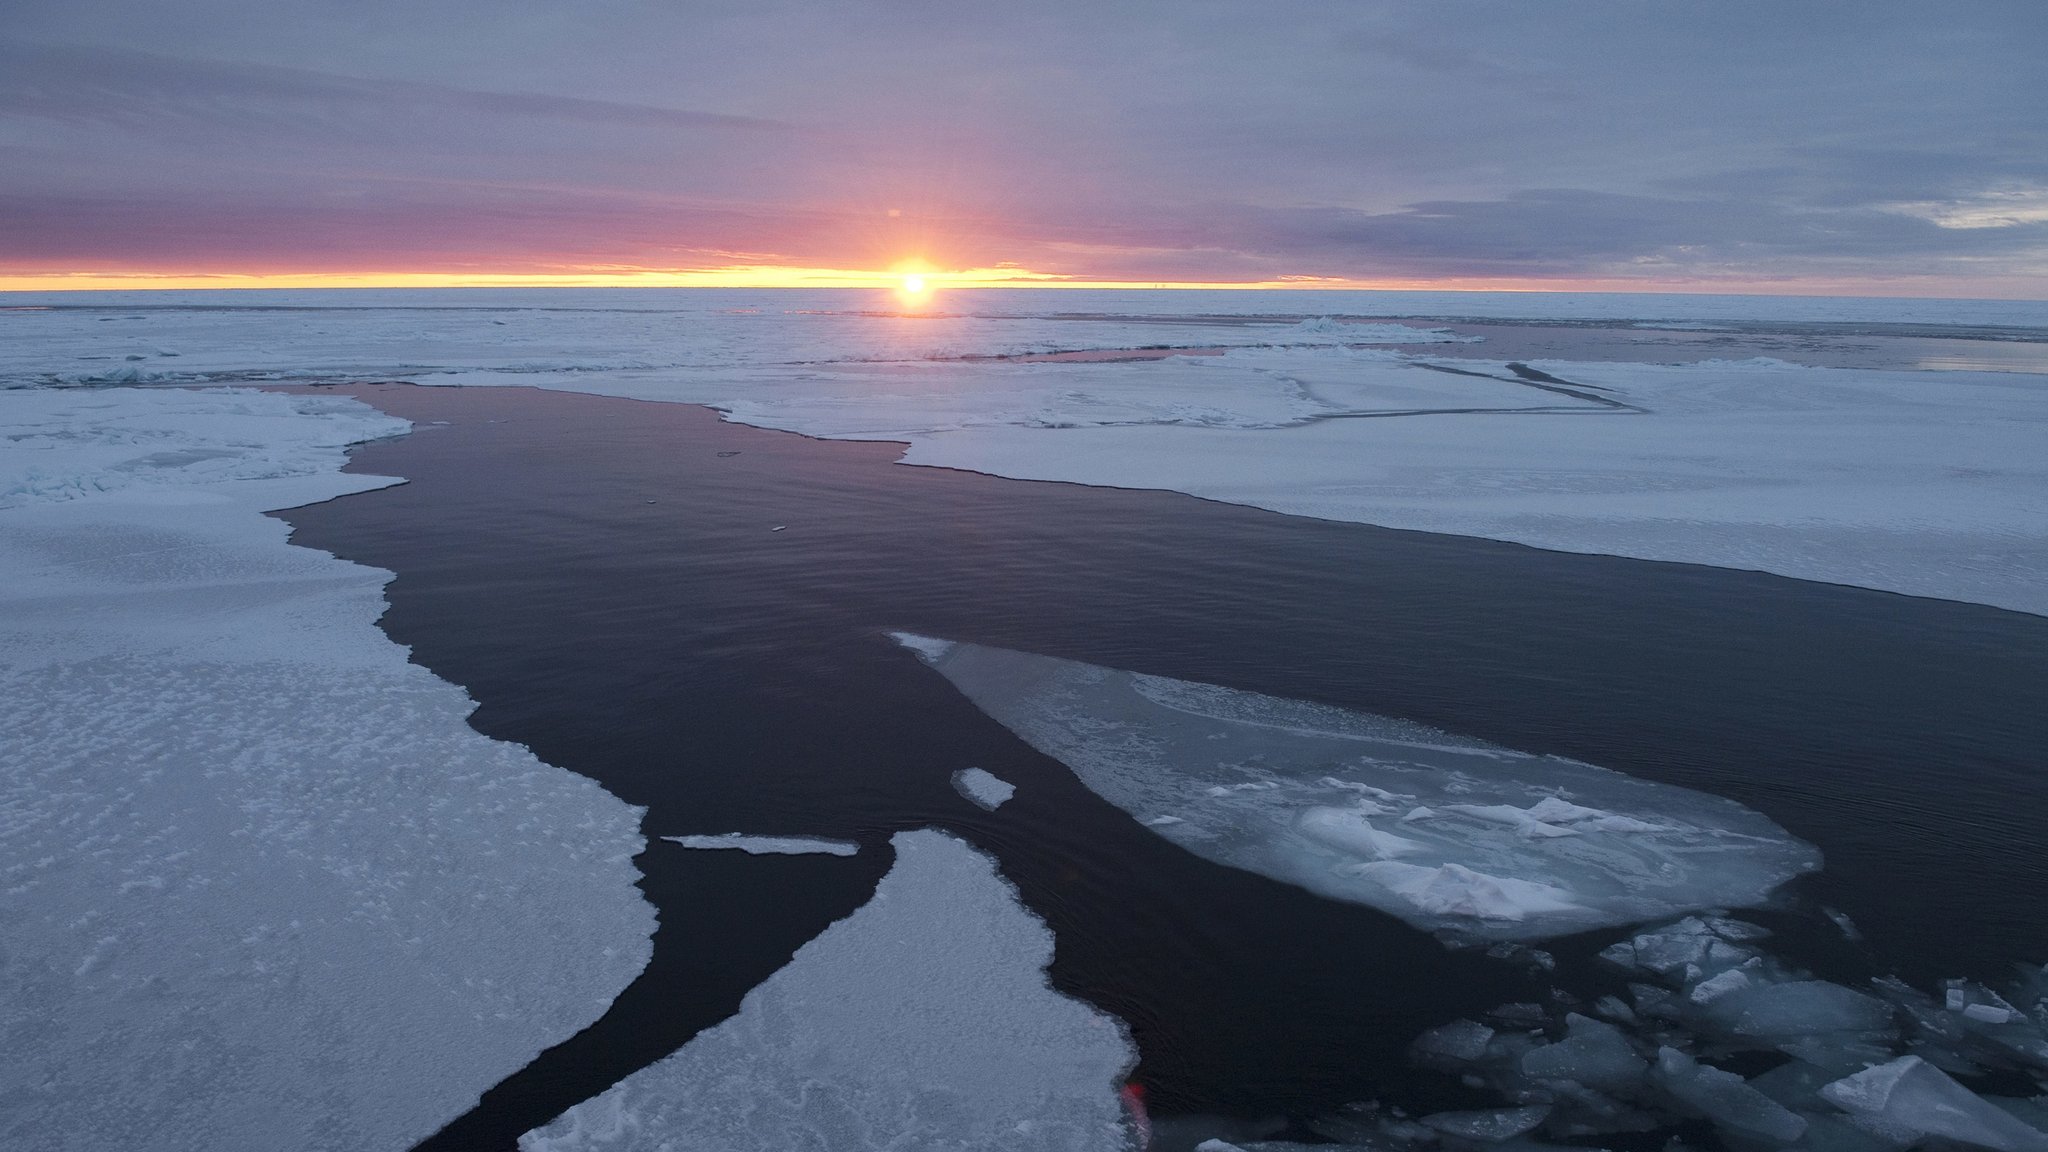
column 1919, row 482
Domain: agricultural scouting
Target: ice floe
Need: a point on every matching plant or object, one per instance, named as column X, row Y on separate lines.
column 923, row 1020
column 984, row 788
column 263, row 886
column 770, row 845
column 1461, row 838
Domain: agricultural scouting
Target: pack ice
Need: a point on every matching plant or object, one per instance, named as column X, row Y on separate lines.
column 1852, row 1070
column 263, row 886
column 1459, row 838
column 921, row 1021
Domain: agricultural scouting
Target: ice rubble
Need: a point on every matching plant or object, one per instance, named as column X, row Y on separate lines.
column 244, row 844
column 1844, row 1083
column 983, row 788
column 921, row 1021
column 770, row 845
column 1459, row 838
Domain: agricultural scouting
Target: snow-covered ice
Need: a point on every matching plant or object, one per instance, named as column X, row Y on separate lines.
column 1512, row 846
column 1924, row 482
column 984, row 788
column 770, row 845
column 923, row 1020
column 263, row 886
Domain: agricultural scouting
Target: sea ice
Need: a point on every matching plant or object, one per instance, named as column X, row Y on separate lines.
column 1909, row 1099
column 985, row 789
column 1924, row 482
column 1725, row 1099
column 1489, row 1125
column 1450, row 1045
column 1592, row 1053
column 1512, row 846
column 923, row 1020
column 770, row 845
column 1798, row 1008
column 263, row 885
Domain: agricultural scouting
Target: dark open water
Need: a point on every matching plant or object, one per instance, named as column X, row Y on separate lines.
column 601, row 575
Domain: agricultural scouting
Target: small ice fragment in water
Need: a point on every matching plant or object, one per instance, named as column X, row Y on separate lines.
column 1459, row 1042
column 1492, row 1125
column 983, row 788
column 779, row 528
column 1841, row 920
column 1910, row 1099
column 770, row 845
column 1592, row 1053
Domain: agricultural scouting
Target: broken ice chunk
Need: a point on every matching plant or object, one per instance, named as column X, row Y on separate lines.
column 1449, row 1045
column 1592, row 1053
column 1909, row 1099
column 1797, row 1009
column 983, row 788
column 1490, row 1125
column 1725, row 1099
column 1715, row 987
column 1348, row 830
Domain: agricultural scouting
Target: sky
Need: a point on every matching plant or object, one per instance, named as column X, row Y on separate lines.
column 1875, row 147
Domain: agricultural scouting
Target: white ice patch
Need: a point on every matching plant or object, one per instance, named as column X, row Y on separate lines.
column 921, row 1021
column 1492, row 844
column 263, row 885
column 924, row 646
column 770, row 845
column 984, row 788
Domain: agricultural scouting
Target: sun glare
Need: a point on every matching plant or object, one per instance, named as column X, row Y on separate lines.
column 913, row 290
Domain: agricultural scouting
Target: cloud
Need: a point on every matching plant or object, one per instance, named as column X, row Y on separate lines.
column 1205, row 139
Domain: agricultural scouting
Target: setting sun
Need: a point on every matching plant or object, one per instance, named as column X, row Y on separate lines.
column 914, row 285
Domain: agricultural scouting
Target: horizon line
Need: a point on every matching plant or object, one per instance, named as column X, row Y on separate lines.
column 777, row 277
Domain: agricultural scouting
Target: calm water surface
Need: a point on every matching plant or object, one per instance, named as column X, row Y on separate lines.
column 601, row 575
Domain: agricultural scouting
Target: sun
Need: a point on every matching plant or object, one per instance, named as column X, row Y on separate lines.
column 914, row 288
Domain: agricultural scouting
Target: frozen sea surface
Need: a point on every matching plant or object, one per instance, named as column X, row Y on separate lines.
column 1929, row 483
column 263, row 885
column 1456, row 837
column 922, row 1021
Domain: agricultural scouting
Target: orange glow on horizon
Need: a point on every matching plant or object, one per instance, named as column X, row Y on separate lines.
column 928, row 281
